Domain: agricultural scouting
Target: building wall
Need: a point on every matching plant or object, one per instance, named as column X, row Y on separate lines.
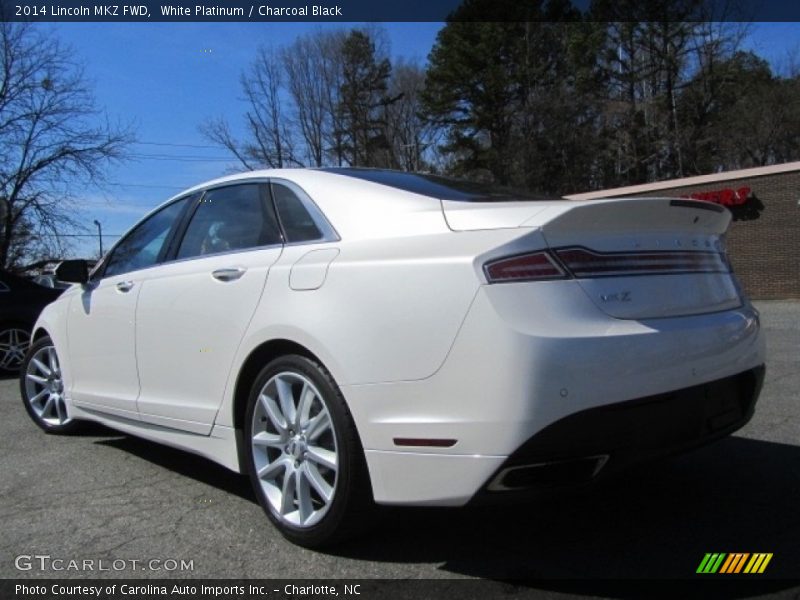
column 764, row 251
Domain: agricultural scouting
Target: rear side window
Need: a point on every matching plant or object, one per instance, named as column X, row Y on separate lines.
column 297, row 222
column 229, row 219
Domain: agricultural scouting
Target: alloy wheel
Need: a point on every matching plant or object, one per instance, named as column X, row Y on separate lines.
column 294, row 449
column 14, row 344
column 44, row 387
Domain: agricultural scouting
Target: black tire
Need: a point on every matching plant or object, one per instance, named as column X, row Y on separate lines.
column 53, row 417
column 5, row 329
column 351, row 509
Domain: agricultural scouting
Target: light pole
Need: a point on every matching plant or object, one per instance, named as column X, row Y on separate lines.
column 99, row 236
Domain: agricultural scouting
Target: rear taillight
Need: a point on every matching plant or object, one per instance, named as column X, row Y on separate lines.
column 589, row 263
column 584, row 263
column 537, row 266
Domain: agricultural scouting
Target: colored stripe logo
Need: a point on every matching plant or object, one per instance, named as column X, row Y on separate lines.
column 735, row 562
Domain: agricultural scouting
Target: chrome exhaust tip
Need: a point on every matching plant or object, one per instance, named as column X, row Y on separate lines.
column 549, row 473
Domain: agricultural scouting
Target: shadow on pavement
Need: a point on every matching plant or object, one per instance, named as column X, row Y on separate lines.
column 738, row 495
column 654, row 523
column 92, row 429
column 186, row 464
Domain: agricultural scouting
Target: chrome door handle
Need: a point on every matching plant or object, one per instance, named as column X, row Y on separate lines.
column 229, row 274
column 125, row 286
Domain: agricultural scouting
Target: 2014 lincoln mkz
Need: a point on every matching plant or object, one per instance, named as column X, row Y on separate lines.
column 353, row 336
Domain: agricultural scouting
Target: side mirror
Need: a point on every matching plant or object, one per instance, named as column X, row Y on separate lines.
column 73, row 271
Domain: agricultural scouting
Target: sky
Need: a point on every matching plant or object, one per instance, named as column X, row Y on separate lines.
column 165, row 79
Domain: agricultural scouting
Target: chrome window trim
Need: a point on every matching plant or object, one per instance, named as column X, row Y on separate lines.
column 329, row 233
column 226, row 253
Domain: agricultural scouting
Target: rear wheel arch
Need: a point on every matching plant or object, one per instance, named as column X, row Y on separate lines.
column 260, row 356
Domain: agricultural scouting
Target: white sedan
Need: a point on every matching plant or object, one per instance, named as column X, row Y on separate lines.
column 354, row 336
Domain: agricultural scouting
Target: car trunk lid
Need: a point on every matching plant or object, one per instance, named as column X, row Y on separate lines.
column 644, row 258
column 634, row 258
column 474, row 216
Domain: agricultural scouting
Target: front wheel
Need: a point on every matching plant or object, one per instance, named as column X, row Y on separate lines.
column 304, row 456
column 42, row 387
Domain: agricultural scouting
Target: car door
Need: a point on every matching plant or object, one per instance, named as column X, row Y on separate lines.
column 101, row 318
column 193, row 311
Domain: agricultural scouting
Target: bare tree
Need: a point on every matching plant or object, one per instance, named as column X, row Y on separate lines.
column 789, row 65
column 313, row 69
column 411, row 136
column 270, row 141
column 296, row 109
column 51, row 136
column 650, row 63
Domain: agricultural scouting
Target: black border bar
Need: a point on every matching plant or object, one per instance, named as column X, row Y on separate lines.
column 176, row 11
column 700, row 586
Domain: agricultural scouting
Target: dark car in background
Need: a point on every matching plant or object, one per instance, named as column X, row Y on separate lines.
column 21, row 301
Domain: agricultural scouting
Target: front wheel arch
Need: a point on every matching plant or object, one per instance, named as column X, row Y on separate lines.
column 42, row 389
column 39, row 333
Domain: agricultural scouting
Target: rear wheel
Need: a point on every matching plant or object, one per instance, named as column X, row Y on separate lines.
column 304, row 456
column 42, row 387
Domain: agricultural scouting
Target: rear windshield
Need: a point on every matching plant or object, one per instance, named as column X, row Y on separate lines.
column 436, row 186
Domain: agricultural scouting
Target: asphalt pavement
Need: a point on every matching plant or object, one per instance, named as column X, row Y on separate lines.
column 121, row 503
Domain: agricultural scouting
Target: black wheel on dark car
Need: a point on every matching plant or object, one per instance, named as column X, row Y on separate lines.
column 42, row 387
column 15, row 339
column 304, row 455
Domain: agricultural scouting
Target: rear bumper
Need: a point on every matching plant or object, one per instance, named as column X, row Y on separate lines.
column 600, row 441
column 542, row 360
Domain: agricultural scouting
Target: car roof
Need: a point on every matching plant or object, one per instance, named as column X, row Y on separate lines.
column 356, row 208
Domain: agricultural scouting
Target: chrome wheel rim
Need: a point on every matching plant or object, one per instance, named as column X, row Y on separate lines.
column 294, row 449
column 14, row 344
column 44, row 387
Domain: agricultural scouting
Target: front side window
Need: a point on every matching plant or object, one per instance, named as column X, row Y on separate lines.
column 143, row 246
column 229, row 219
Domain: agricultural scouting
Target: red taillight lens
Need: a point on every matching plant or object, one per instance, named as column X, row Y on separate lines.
column 587, row 263
column 583, row 263
column 536, row 266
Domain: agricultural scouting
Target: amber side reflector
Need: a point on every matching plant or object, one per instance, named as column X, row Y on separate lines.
column 429, row 442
